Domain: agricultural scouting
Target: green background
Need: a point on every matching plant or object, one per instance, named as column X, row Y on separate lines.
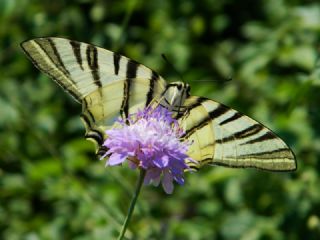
column 52, row 186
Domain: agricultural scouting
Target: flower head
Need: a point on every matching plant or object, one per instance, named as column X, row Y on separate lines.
column 150, row 139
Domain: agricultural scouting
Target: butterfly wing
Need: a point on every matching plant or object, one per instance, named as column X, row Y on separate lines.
column 107, row 84
column 223, row 136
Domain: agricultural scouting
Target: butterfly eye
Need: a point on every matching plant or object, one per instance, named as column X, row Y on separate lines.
column 179, row 87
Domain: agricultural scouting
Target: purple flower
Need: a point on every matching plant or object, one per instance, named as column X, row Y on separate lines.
column 150, row 139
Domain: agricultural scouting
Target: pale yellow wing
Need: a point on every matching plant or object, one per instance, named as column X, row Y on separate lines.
column 223, row 136
column 108, row 85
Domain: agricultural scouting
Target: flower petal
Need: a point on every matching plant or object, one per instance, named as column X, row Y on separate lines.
column 167, row 182
column 152, row 176
column 150, row 139
column 116, row 159
column 179, row 179
column 162, row 161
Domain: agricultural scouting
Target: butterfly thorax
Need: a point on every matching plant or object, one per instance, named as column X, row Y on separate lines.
column 175, row 95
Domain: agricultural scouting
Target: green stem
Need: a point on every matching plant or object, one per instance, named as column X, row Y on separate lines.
column 132, row 204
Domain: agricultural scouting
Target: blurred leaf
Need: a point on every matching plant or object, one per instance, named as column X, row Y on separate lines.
column 54, row 187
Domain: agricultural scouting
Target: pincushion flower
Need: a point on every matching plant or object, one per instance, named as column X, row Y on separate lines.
column 150, row 140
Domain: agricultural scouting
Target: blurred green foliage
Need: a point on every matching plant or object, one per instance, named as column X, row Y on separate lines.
column 53, row 187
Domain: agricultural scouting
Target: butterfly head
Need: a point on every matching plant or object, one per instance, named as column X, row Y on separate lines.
column 176, row 93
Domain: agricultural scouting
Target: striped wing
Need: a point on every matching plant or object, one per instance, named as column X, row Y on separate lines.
column 107, row 84
column 223, row 136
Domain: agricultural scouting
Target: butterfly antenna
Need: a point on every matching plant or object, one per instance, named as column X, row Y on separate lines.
column 172, row 66
column 222, row 81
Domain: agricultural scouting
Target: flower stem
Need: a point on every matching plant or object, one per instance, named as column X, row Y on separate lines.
column 132, row 204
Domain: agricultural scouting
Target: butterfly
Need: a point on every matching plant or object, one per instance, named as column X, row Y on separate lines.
column 109, row 85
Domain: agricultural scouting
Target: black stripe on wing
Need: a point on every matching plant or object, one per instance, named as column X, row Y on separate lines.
column 95, row 135
column 85, row 107
column 132, row 68
column 220, row 110
column 265, row 137
column 90, row 131
column 28, row 47
column 191, row 106
column 116, row 63
column 51, row 51
column 92, row 60
column 226, row 164
column 76, row 47
column 280, row 153
column 56, row 54
column 235, row 116
column 154, row 78
column 131, row 73
column 252, row 130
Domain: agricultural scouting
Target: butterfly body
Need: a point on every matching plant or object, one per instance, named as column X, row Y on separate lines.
column 109, row 85
column 175, row 95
